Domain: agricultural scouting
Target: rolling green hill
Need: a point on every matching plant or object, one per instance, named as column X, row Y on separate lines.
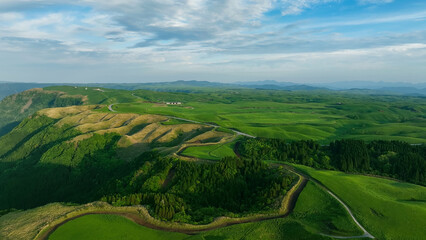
column 389, row 209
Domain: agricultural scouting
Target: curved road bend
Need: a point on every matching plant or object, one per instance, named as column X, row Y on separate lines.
column 110, row 108
column 365, row 235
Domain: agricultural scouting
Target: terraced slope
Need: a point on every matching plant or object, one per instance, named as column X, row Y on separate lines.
column 49, row 154
column 83, row 122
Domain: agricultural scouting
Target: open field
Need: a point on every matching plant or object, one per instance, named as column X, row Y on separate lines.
column 92, row 227
column 210, row 152
column 321, row 213
column 294, row 121
column 388, row 209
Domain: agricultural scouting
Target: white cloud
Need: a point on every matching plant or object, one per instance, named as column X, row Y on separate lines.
column 365, row 2
column 294, row 7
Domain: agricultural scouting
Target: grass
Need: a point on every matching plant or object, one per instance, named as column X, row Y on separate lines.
column 92, row 227
column 387, row 209
column 320, row 212
column 315, row 212
column 26, row 224
column 277, row 229
column 210, row 152
column 294, row 121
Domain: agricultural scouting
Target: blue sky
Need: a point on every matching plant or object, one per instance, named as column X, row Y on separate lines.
column 304, row 41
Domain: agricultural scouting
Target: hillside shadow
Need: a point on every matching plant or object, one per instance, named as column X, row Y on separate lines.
column 9, row 127
column 30, row 184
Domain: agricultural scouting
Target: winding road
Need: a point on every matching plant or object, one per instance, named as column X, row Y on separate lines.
column 366, row 233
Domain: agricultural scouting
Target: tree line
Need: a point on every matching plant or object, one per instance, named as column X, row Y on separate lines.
column 394, row 159
column 199, row 192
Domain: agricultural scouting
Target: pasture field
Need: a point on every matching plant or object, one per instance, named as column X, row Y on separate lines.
column 387, row 209
column 210, row 152
column 295, row 121
column 93, row 227
column 321, row 213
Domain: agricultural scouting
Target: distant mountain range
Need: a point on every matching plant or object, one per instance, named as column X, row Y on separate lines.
column 356, row 86
column 401, row 88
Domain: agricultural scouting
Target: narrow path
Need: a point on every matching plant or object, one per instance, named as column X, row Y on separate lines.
column 365, row 235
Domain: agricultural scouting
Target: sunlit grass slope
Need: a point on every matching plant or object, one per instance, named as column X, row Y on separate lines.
column 109, row 227
column 387, row 209
column 210, row 152
column 322, row 120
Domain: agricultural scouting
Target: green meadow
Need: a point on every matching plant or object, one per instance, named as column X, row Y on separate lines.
column 109, row 227
column 210, row 152
column 320, row 121
column 387, row 209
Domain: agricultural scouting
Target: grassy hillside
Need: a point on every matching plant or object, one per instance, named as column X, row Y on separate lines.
column 210, row 152
column 388, row 209
column 47, row 156
column 26, row 224
column 16, row 107
column 315, row 213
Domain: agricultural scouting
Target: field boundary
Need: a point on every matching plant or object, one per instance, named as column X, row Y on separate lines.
column 141, row 216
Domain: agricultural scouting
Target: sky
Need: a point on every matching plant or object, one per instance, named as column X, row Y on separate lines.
column 301, row 41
